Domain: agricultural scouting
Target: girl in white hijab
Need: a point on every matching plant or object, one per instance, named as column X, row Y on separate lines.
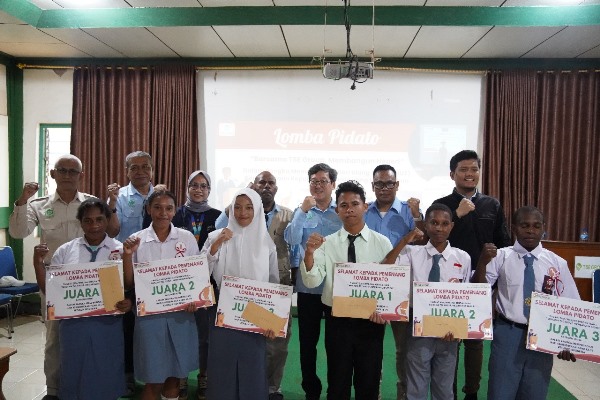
column 244, row 249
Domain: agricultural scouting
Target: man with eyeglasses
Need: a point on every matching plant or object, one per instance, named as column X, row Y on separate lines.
column 128, row 202
column 316, row 214
column 56, row 215
column 394, row 219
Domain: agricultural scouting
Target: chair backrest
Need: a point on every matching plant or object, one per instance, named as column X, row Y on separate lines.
column 7, row 262
column 596, row 286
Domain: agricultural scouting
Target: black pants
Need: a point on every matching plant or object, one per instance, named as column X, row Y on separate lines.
column 310, row 313
column 354, row 355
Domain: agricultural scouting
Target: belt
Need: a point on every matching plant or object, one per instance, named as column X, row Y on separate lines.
column 509, row 322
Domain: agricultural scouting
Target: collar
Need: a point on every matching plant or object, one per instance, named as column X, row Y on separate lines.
column 133, row 191
column 365, row 233
column 433, row 251
column 54, row 197
column 465, row 197
column 332, row 206
column 81, row 241
column 151, row 236
column 274, row 211
column 522, row 252
column 396, row 205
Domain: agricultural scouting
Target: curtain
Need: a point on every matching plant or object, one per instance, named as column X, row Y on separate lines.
column 542, row 145
column 120, row 110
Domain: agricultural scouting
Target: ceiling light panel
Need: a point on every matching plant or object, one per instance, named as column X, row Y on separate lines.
column 92, row 3
column 570, row 42
column 132, row 42
column 84, row 42
column 200, row 41
column 255, row 41
column 511, row 42
column 163, row 3
column 444, row 42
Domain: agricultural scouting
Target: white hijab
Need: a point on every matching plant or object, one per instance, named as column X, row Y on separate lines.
column 246, row 254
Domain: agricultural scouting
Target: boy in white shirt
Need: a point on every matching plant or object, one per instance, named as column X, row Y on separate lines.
column 431, row 361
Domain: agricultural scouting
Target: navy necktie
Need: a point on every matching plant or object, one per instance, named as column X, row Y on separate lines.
column 94, row 253
column 434, row 274
column 528, row 284
column 351, row 250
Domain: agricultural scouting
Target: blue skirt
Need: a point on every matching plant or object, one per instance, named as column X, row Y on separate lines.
column 237, row 365
column 164, row 345
column 92, row 364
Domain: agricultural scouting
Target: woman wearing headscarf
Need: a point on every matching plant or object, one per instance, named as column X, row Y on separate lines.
column 244, row 249
column 199, row 218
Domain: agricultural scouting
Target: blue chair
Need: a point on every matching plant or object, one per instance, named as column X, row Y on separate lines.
column 596, row 286
column 6, row 302
column 8, row 267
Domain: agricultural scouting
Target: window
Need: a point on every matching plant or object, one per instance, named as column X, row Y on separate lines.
column 55, row 141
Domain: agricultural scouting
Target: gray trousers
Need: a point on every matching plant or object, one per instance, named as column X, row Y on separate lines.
column 431, row 363
column 277, row 352
column 52, row 358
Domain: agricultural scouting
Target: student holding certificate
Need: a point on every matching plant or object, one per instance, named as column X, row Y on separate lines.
column 244, row 249
column 162, row 342
column 91, row 349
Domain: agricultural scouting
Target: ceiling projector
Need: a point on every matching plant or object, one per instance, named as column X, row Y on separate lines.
column 354, row 70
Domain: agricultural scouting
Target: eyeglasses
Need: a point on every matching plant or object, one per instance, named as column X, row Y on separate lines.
column 65, row 171
column 315, row 183
column 388, row 185
column 137, row 168
column 196, row 186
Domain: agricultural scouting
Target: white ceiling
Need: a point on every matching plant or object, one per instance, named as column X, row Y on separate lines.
column 21, row 40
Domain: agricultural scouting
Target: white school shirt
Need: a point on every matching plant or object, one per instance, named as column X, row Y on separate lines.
column 455, row 264
column 507, row 269
column 179, row 243
column 74, row 252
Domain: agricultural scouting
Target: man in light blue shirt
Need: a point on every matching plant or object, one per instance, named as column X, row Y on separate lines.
column 394, row 219
column 128, row 202
column 315, row 214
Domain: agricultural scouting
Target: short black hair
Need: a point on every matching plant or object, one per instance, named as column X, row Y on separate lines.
column 463, row 155
column 517, row 215
column 438, row 207
column 91, row 203
column 325, row 168
column 157, row 193
column 384, row 167
column 350, row 186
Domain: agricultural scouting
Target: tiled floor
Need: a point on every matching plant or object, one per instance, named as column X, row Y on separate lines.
column 25, row 379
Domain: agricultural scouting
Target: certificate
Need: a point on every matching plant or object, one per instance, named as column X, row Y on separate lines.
column 559, row 323
column 235, row 295
column 74, row 291
column 471, row 303
column 387, row 284
column 170, row 285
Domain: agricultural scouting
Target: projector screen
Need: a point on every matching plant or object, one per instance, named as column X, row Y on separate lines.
column 285, row 121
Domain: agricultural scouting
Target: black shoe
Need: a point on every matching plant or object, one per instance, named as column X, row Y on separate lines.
column 275, row 396
column 313, row 397
column 49, row 397
column 471, row 396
